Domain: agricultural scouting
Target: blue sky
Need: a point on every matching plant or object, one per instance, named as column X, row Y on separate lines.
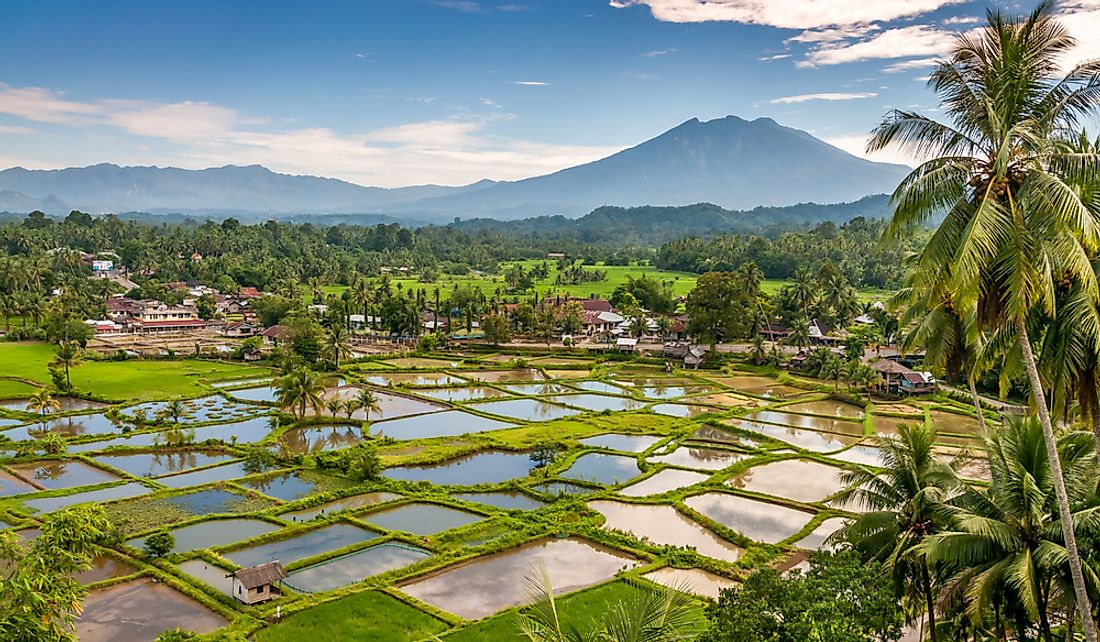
column 396, row 92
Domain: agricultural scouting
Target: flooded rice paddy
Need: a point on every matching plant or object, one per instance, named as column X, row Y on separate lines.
column 304, row 440
column 663, row 482
column 50, row 504
column 622, row 443
column 156, row 464
column 607, row 470
column 525, row 409
column 413, row 379
column 450, row 423
column 139, row 611
column 700, row 458
column 482, row 468
column 468, row 393
column 224, row 472
column 349, row 569
column 55, row 475
column 346, row 504
column 420, row 519
column 840, row 426
column 829, row 408
column 797, row 479
column 682, row 410
column 503, row 500
column 664, row 525
column 219, row 532
column 496, row 582
column 756, row 520
column 599, row 403
column 493, row 376
column 692, row 580
column 298, row 547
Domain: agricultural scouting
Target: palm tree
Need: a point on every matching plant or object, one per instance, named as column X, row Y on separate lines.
column 350, row 406
column 42, row 402
column 759, row 351
column 299, row 390
column 832, row 370
column 368, row 402
column 1013, row 221
column 175, row 409
column 662, row 615
column 803, row 292
column 800, row 333
column 901, row 503
column 337, row 342
column 334, row 406
column 951, row 339
column 1005, row 541
column 664, row 326
column 67, row 356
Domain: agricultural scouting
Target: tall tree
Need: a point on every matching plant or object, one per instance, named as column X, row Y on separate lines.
column 300, row 390
column 39, row 596
column 899, row 507
column 1013, row 223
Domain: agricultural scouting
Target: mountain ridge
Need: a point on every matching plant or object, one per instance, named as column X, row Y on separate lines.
column 732, row 162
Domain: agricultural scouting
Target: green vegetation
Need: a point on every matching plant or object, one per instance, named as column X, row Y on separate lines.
column 368, row 615
column 136, row 380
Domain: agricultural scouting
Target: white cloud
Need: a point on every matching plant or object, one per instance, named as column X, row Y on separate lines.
column 900, row 42
column 856, row 144
column 658, row 52
column 828, row 96
column 786, row 14
column 532, row 83
column 909, row 65
column 774, row 57
column 198, row 134
column 14, row 130
column 1082, row 19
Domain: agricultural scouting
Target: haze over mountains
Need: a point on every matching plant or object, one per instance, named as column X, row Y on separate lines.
column 731, row 162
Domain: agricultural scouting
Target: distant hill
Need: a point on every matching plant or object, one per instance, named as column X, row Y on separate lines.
column 731, row 162
column 223, row 191
column 649, row 225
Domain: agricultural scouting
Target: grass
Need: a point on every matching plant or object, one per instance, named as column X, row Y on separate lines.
column 582, row 610
column 681, row 282
column 136, row 380
column 370, row 615
column 12, row 389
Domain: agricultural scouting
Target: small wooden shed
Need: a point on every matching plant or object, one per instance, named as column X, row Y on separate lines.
column 258, row 583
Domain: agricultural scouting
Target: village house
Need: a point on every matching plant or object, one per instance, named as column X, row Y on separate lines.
column 277, row 334
column 239, row 329
column 898, row 379
column 258, row 584
column 154, row 316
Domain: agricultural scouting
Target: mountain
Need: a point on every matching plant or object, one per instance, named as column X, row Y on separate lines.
column 730, row 162
column 225, row 190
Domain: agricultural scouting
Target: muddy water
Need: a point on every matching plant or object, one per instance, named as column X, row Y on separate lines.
column 622, row 443
column 347, row 503
column 490, row 584
column 506, row 501
column 599, row 403
column 138, row 611
column 664, row 481
column 469, row 393
column 298, row 547
column 796, row 479
column 821, row 442
column 219, row 532
column 357, row 566
column 450, row 423
column 664, row 525
column 420, row 519
column 830, row 408
column 754, row 519
column 603, row 469
column 700, row 458
column 839, row 426
column 482, row 468
column 692, row 580
column 163, row 463
column 526, row 409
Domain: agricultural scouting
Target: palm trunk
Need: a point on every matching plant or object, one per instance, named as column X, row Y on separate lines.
column 977, row 400
column 1084, row 606
column 930, row 602
column 1096, row 432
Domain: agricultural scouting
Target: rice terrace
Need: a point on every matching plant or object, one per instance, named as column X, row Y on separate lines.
column 549, row 321
column 631, row 491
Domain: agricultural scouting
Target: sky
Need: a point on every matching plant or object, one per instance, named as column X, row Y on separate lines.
column 401, row 92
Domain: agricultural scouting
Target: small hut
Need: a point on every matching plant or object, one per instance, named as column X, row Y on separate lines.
column 258, row 583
